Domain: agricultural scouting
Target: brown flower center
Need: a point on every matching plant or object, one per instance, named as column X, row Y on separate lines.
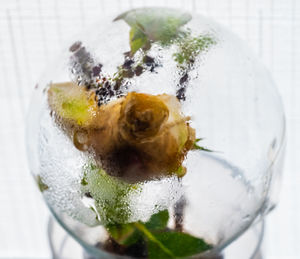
column 142, row 116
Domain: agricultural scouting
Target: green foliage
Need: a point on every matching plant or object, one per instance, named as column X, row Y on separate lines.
column 158, row 221
column 180, row 244
column 84, row 181
column 111, row 203
column 138, row 39
column 197, row 147
column 42, row 186
column 161, row 242
column 122, row 233
column 164, row 26
column 72, row 103
column 190, row 47
column 128, row 234
column 111, row 195
column 153, row 25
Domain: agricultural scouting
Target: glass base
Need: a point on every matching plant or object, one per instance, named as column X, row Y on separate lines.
column 247, row 246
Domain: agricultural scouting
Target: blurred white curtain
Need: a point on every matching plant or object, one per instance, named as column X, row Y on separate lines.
column 32, row 31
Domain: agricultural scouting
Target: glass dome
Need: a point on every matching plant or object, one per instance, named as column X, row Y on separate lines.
column 153, row 126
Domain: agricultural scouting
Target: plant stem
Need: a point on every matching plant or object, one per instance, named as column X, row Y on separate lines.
column 149, row 235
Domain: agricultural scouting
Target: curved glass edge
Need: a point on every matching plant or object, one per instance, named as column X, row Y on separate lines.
column 266, row 207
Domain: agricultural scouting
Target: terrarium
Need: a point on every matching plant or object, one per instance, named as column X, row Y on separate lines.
column 156, row 134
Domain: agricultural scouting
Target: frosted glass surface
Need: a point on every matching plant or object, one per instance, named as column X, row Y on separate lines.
column 33, row 31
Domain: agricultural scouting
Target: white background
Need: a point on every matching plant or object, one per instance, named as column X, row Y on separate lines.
column 31, row 32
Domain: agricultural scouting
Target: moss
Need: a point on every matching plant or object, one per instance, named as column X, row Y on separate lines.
column 190, row 47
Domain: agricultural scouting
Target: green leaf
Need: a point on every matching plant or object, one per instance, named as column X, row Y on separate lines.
column 180, row 244
column 137, row 39
column 158, row 221
column 135, row 237
column 161, row 243
column 197, row 147
column 111, row 203
column 122, row 233
column 155, row 252
column 42, row 186
column 154, row 24
column 111, row 195
column 152, row 239
column 72, row 103
column 127, row 234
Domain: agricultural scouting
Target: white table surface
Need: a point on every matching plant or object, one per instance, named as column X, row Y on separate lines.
column 32, row 31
